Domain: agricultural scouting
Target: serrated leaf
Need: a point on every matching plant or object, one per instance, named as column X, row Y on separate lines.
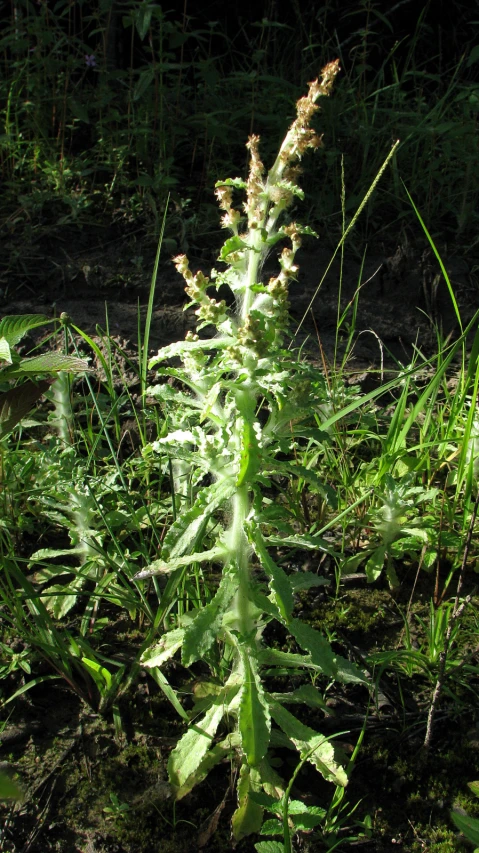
column 311, row 745
column 50, row 362
column 269, row 847
column 254, row 720
column 303, row 541
column 213, row 757
column 307, row 694
column 308, row 819
column 189, row 752
column 187, row 530
column 273, row 826
column 164, row 650
column 158, row 567
column 279, row 583
column 248, row 817
column 318, row 646
column 272, row 804
column 203, row 630
column 322, row 654
column 59, row 600
column 233, row 244
column 210, row 400
column 18, row 401
column 13, row 328
column 250, row 459
column 183, row 347
column 307, row 580
column 232, row 182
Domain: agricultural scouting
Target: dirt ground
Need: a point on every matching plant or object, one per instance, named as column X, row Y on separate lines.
column 101, row 279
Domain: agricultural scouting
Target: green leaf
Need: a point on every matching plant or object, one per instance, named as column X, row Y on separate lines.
column 311, row 745
column 307, row 694
column 302, row 540
column 101, row 675
column 323, row 655
column 269, row 847
column 308, row 819
column 272, row 827
column 306, row 580
column 182, row 347
column 161, row 567
column 250, row 459
column 254, row 719
column 280, row 584
column 18, row 402
column 320, row 649
column 375, row 564
column 164, row 650
column 233, row 244
column 147, row 75
column 469, row 826
column 203, row 630
column 232, row 182
column 167, row 689
column 187, row 530
column 5, row 352
column 49, row 362
column 189, row 752
column 213, row 757
column 248, row 817
column 13, row 328
column 142, row 22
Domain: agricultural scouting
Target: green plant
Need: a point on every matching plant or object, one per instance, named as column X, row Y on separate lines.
column 228, row 439
column 399, row 533
column 23, row 378
column 117, row 810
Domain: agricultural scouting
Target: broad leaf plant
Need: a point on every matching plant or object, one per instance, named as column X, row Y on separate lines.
column 237, row 403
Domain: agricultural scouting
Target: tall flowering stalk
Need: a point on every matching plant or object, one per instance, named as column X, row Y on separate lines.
column 230, row 432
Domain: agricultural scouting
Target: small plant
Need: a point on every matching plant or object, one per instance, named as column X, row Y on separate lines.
column 399, row 531
column 117, row 810
column 247, row 408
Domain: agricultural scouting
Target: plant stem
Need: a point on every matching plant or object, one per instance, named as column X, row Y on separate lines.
column 240, row 555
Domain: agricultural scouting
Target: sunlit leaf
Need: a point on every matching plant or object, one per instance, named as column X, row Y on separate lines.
column 254, row 719
column 203, row 630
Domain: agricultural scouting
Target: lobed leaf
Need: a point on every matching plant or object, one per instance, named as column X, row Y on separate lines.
column 312, row 746
column 164, row 650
